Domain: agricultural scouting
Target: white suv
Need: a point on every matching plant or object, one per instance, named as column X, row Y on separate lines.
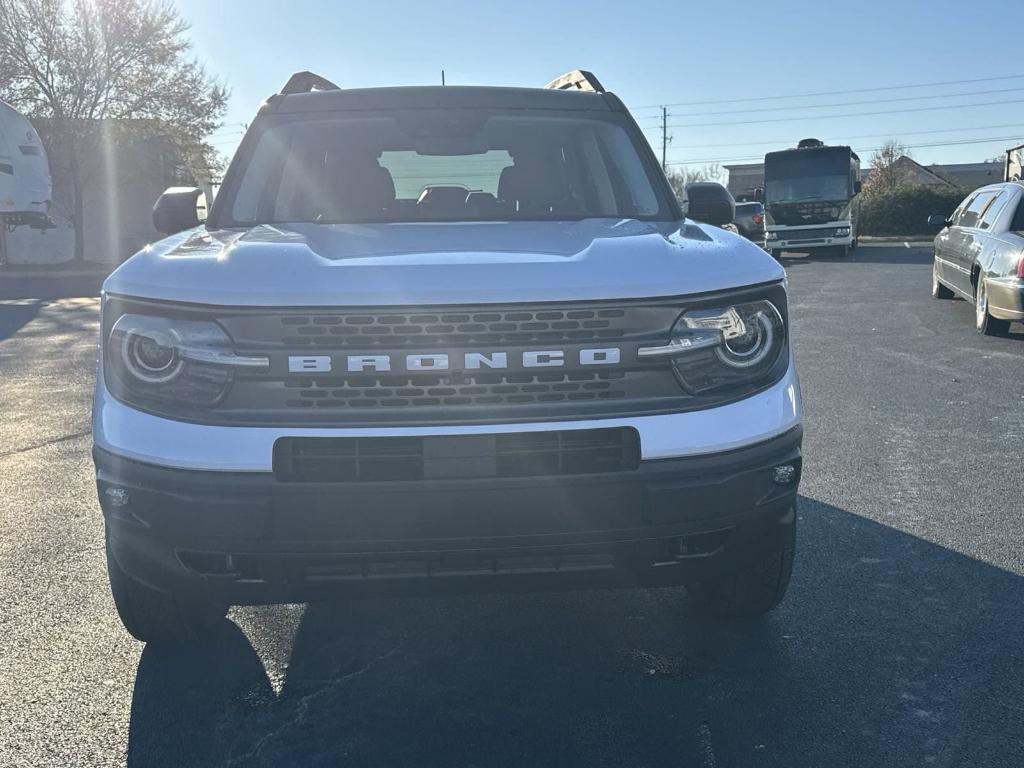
column 443, row 338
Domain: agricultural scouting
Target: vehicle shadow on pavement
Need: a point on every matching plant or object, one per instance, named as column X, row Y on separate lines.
column 889, row 650
column 51, row 287
column 66, row 317
column 14, row 317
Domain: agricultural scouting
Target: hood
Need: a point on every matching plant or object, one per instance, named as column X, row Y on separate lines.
column 442, row 263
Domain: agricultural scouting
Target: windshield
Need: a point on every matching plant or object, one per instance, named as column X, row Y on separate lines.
column 807, row 189
column 454, row 165
column 808, row 175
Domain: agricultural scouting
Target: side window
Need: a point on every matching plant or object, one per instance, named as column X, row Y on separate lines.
column 989, row 216
column 972, row 213
column 1017, row 225
column 954, row 217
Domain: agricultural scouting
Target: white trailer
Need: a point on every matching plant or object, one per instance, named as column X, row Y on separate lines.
column 25, row 187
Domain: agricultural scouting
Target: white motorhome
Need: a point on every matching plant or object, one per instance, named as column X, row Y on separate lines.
column 25, row 188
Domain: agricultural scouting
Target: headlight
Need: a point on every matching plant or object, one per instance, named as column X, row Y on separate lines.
column 724, row 347
column 842, row 231
column 153, row 360
column 771, row 235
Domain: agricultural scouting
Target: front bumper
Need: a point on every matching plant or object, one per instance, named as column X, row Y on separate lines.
column 124, row 431
column 248, row 538
column 786, row 242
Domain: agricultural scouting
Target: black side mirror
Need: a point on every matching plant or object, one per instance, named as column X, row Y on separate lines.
column 178, row 209
column 857, row 187
column 935, row 220
column 710, row 203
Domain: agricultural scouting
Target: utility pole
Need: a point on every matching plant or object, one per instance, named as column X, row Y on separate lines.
column 442, row 77
column 665, row 138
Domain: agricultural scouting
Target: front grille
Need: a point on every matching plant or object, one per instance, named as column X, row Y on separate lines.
column 387, row 459
column 426, row 329
column 457, row 393
column 482, row 389
column 369, row 367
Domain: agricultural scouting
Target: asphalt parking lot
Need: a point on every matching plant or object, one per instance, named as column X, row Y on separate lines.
column 900, row 642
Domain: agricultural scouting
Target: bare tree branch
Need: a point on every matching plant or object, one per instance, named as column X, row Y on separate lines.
column 81, row 63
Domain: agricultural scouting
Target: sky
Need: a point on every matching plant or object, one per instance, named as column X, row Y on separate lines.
column 733, row 75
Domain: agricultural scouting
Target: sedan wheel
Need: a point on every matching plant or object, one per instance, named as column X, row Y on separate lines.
column 983, row 321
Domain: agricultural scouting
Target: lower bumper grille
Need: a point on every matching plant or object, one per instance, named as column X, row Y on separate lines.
column 795, row 235
column 483, row 389
column 524, row 454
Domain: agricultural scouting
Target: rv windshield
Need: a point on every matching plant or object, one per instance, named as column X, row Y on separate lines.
column 807, row 175
column 455, row 165
column 807, row 189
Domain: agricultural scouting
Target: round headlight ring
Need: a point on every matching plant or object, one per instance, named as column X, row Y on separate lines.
column 762, row 324
column 151, row 356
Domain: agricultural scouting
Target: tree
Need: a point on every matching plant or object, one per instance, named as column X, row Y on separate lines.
column 679, row 178
column 96, row 72
column 885, row 173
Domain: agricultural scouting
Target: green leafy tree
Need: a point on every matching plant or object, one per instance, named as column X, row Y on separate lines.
column 83, row 67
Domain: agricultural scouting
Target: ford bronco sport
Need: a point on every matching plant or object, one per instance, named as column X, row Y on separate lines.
column 443, row 338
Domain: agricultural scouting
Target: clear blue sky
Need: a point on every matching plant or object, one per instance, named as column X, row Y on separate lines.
column 653, row 53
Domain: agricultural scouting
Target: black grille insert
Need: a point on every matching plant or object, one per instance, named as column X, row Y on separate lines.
column 403, row 329
column 520, row 454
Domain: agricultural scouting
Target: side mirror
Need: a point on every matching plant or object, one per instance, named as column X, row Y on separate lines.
column 935, row 220
column 178, row 209
column 857, row 187
column 710, row 203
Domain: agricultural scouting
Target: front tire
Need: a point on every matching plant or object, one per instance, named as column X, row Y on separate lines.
column 755, row 589
column 155, row 617
column 776, row 254
column 983, row 321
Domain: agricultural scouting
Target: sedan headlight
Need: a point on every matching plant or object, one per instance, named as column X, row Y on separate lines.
column 736, row 346
column 153, row 361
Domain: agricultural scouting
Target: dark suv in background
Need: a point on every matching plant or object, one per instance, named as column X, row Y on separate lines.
column 749, row 221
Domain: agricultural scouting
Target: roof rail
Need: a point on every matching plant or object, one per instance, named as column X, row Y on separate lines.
column 304, row 82
column 577, row 80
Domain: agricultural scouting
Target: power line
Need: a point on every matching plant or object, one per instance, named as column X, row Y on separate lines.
column 886, row 135
column 719, row 161
column 855, row 103
column 831, row 93
column 832, row 117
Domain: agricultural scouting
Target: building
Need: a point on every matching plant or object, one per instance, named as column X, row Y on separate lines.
column 969, row 175
column 122, row 180
column 746, row 179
